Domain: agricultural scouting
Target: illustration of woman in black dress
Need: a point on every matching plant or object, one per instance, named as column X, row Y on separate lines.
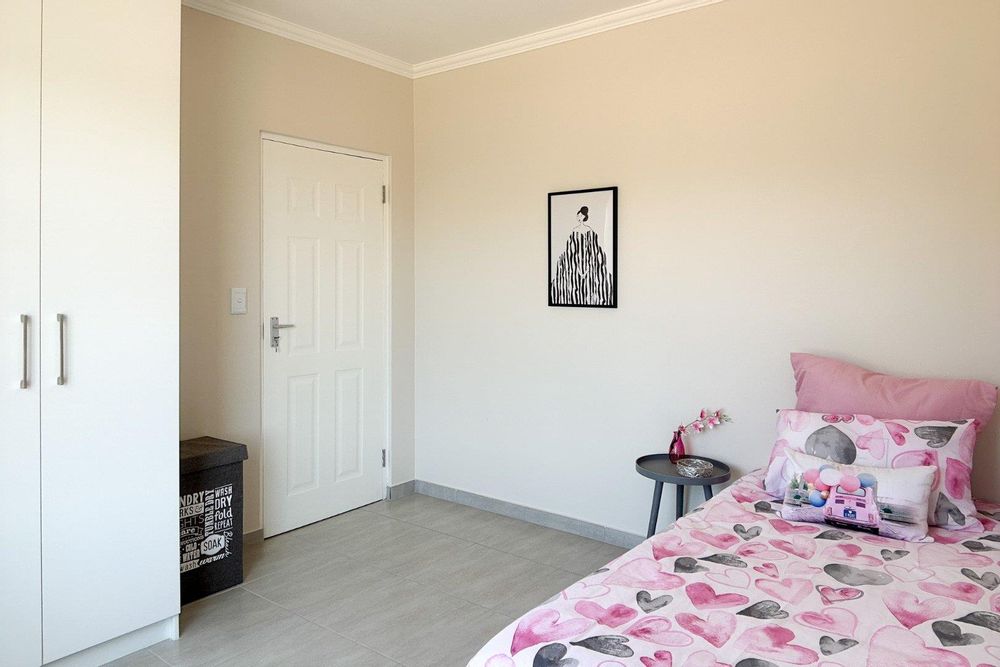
column 581, row 276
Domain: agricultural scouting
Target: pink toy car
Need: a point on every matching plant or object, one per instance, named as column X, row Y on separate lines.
column 853, row 509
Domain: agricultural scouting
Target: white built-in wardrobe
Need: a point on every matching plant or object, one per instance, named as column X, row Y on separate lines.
column 89, row 107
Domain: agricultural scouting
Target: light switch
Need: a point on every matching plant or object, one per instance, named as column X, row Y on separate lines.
column 238, row 301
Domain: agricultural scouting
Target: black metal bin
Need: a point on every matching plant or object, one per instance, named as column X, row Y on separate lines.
column 211, row 516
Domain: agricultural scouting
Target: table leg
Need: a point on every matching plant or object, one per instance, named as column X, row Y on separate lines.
column 655, row 512
column 680, row 500
column 708, row 491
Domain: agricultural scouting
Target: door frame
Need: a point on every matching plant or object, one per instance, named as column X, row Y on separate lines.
column 386, row 161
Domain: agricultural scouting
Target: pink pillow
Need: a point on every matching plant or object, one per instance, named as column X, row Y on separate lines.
column 827, row 385
column 885, row 443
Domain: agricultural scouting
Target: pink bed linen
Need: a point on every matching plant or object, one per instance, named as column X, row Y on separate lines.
column 733, row 584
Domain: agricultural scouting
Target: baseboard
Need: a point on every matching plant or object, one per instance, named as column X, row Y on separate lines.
column 566, row 524
column 254, row 536
column 400, row 490
column 168, row 628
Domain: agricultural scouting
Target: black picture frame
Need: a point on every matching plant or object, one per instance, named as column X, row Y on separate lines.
column 595, row 292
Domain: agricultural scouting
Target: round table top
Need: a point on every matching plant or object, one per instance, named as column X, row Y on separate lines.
column 658, row 467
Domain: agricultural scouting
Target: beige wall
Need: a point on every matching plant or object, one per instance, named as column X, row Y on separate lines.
column 820, row 176
column 236, row 82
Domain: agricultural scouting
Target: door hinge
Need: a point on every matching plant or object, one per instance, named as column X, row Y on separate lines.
column 383, row 458
column 383, row 194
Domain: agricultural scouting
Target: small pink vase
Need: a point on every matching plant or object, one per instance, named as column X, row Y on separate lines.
column 676, row 450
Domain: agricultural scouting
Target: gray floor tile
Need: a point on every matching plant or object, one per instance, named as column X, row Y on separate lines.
column 445, row 517
column 564, row 550
column 382, row 611
column 224, row 625
column 505, row 531
column 410, row 550
column 317, row 583
column 410, row 508
column 142, row 658
column 274, row 554
column 451, row 639
column 495, row 580
column 351, row 531
column 308, row 645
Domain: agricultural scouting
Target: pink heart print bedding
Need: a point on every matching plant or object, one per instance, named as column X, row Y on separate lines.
column 734, row 585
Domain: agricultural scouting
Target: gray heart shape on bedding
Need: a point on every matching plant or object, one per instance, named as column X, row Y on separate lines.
column 893, row 554
column 973, row 545
column 552, row 655
column 765, row 609
column 853, row 576
column 746, row 533
column 607, row 644
column 830, row 646
column 936, row 436
column 725, row 559
column 945, row 512
column 984, row 619
column 987, row 580
column 764, row 506
column 648, row 603
column 833, row 535
column 950, row 634
column 688, row 565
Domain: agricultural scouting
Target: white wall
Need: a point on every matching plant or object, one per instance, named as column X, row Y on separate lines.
column 820, row 176
column 235, row 83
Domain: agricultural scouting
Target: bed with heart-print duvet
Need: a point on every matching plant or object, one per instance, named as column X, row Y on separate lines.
column 732, row 584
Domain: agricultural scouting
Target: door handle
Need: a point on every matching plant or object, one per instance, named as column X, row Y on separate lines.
column 61, row 380
column 24, row 351
column 276, row 328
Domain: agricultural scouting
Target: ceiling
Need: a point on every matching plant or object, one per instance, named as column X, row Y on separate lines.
column 419, row 37
column 415, row 31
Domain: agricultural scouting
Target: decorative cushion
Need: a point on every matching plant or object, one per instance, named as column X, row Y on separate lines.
column 889, row 502
column 828, row 385
column 885, row 443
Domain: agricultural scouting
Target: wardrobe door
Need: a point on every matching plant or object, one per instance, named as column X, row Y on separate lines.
column 109, row 296
column 20, row 558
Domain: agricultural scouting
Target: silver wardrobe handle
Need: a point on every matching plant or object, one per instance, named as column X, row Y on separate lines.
column 24, row 351
column 62, row 349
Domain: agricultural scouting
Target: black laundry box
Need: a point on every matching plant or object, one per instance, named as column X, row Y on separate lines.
column 211, row 516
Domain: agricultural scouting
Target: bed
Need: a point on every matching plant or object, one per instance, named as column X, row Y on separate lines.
column 733, row 584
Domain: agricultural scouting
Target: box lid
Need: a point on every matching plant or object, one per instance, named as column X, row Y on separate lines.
column 203, row 453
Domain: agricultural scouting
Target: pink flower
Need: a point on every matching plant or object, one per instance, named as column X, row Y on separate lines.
column 698, row 426
column 704, row 413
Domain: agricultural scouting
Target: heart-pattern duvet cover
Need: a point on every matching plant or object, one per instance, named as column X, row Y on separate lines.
column 732, row 584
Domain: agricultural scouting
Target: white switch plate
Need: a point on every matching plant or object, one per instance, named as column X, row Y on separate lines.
column 238, row 301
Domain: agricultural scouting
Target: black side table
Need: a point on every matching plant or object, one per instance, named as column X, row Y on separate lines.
column 658, row 468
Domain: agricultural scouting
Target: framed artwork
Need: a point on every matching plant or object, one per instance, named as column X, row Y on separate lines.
column 583, row 248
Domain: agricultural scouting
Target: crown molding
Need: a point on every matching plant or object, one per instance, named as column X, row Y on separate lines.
column 652, row 9
column 645, row 11
column 255, row 19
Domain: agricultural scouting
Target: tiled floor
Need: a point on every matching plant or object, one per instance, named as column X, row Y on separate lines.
column 416, row 581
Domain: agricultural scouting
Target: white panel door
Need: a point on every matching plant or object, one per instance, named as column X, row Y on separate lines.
column 109, row 245
column 324, row 385
column 20, row 553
